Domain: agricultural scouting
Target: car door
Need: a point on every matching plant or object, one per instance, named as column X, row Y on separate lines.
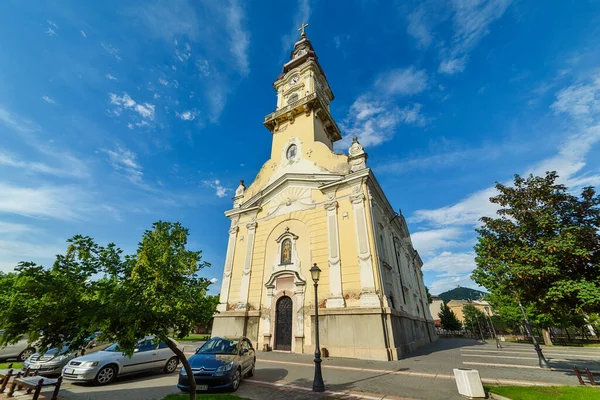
column 163, row 354
column 143, row 358
column 13, row 350
column 246, row 356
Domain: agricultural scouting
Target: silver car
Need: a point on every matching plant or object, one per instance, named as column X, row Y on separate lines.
column 20, row 350
column 53, row 360
column 104, row 366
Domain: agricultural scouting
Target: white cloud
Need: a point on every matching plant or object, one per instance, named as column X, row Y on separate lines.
column 450, row 270
column 418, row 27
column 125, row 161
column 220, row 190
column 71, row 168
column 426, row 242
column 56, row 202
column 48, row 100
column 83, row 33
column 146, row 110
column 113, row 51
column 214, row 280
column 404, row 81
column 468, row 211
column 239, row 39
column 203, row 66
column 188, row 115
column 301, row 16
column 453, row 66
column 50, row 32
column 111, row 77
column 471, row 22
column 184, row 54
column 163, row 82
column 375, row 121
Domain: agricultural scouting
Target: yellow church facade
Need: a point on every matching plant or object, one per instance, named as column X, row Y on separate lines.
column 310, row 205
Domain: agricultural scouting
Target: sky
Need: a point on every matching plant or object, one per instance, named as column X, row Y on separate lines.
column 116, row 114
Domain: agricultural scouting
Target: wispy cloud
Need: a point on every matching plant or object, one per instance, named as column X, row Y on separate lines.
column 48, row 100
column 188, row 115
column 239, row 38
column 402, row 81
column 113, row 51
column 125, row 162
column 374, row 121
column 146, row 110
column 83, row 33
column 67, row 170
column 419, row 27
column 220, row 190
column 53, row 202
column 111, row 77
column 471, row 23
column 51, row 29
column 301, row 16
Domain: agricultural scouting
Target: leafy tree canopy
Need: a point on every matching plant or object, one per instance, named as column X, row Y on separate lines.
column 543, row 248
column 157, row 291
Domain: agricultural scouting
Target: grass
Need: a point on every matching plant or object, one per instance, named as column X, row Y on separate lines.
column 546, row 393
column 16, row 365
column 195, row 337
column 205, row 397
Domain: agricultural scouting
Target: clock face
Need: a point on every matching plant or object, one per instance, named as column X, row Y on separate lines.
column 295, row 79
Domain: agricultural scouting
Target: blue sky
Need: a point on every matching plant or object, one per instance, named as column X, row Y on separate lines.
column 116, row 114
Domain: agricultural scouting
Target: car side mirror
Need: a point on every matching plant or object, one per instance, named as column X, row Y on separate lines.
column 244, row 351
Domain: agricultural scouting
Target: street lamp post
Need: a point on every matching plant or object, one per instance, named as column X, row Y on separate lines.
column 487, row 311
column 318, row 384
column 541, row 358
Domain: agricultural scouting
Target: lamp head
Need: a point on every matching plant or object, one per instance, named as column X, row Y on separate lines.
column 315, row 273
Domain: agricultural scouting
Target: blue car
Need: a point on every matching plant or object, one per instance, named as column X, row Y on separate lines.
column 220, row 363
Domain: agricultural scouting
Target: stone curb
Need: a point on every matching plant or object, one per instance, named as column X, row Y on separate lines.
column 497, row 396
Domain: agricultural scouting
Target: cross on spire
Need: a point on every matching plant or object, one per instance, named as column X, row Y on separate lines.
column 303, row 34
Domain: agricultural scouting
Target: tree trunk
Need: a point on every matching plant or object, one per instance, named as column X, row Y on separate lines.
column 186, row 366
column 546, row 336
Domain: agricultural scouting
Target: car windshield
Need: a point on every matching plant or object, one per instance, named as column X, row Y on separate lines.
column 219, row 346
column 113, row 347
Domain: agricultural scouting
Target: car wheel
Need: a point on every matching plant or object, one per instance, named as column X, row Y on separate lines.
column 171, row 365
column 105, row 375
column 252, row 370
column 235, row 380
column 25, row 354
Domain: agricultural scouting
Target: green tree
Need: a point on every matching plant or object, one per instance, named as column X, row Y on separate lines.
column 448, row 319
column 62, row 303
column 429, row 298
column 542, row 249
column 474, row 319
column 91, row 288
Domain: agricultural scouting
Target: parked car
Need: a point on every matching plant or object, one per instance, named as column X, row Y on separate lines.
column 220, row 363
column 104, row 366
column 53, row 360
column 20, row 350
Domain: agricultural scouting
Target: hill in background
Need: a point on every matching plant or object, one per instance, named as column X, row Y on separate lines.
column 461, row 293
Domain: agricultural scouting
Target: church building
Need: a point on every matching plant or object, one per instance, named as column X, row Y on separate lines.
column 310, row 205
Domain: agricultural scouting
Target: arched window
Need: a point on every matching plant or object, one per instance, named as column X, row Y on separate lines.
column 293, row 98
column 286, row 251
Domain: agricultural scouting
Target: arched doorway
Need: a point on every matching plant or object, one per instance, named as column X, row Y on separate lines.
column 283, row 324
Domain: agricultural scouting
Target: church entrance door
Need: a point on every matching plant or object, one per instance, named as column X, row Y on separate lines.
column 283, row 324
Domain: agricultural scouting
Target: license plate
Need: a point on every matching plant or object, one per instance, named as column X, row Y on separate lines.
column 202, row 387
column 69, row 370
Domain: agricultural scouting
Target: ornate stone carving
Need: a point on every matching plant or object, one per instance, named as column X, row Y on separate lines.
column 357, row 196
column 357, row 156
column 239, row 195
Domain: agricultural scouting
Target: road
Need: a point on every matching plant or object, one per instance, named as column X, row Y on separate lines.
column 426, row 374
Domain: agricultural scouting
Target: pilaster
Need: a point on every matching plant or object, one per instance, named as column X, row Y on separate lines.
column 245, row 287
column 368, row 297
column 336, row 299
column 224, row 296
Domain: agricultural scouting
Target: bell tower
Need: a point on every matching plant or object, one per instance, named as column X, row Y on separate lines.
column 303, row 98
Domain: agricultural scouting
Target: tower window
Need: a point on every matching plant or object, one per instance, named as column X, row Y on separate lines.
column 286, row 251
column 291, row 152
column 293, row 98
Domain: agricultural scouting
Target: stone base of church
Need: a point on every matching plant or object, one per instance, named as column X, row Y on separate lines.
column 370, row 333
column 364, row 333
